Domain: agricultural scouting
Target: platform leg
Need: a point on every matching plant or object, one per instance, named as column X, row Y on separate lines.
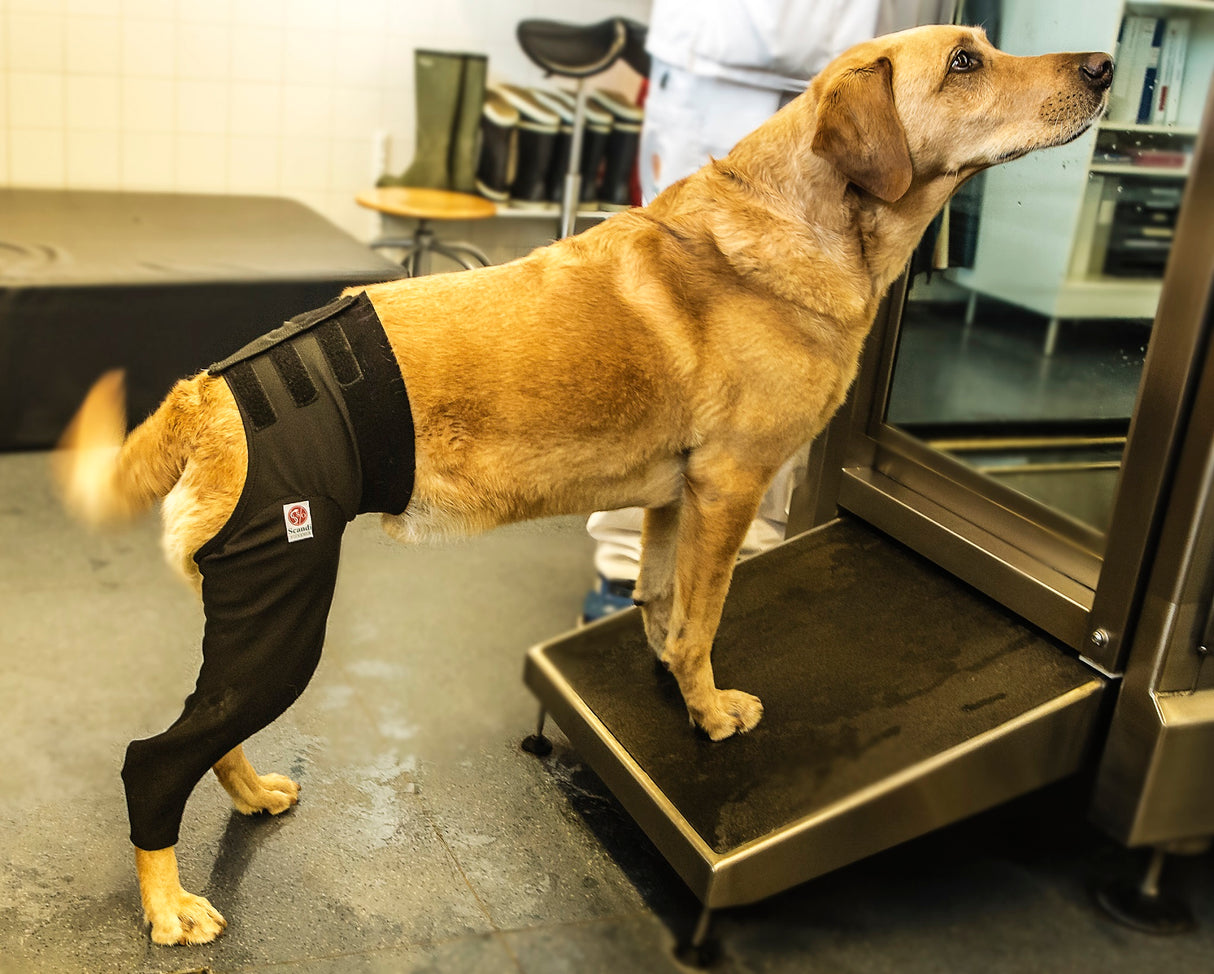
column 1051, row 337
column 1145, row 906
column 700, row 950
column 537, row 743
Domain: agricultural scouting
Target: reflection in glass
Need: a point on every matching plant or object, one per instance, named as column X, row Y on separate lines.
column 1026, row 326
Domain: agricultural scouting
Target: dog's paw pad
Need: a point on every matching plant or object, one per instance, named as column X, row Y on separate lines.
column 188, row 919
column 736, row 712
column 276, row 794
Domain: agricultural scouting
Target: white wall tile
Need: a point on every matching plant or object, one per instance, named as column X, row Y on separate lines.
column 35, row 101
column 93, row 103
column 35, row 6
column 351, row 163
column 255, row 109
column 149, row 9
column 361, row 58
column 357, row 112
column 93, row 45
column 149, row 48
column 263, row 13
column 205, row 11
column 309, row 57
column 202, row 107
column 304, row 165
column 257, row 53
column 319, row 14
column 35, row 41
column 148, row 161
column 149, row 105
column 36, row 157
column 92, row 8
column 201, row 163
column 253, row 164
column 307, row 110
column 251, row 96
column 93, row 160
column 204, row 51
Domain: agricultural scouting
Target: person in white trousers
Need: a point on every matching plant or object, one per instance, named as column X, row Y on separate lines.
column 719, row 69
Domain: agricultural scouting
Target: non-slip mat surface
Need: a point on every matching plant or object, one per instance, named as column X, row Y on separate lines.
column 158, row 284
column 867, row 658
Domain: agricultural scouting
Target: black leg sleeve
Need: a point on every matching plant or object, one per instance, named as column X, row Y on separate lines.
column 266, row 602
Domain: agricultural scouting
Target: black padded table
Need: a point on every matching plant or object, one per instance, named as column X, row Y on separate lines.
column 896, row 700
column 159, row 284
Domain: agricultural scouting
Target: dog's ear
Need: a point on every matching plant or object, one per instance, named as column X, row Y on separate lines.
column 860, row 134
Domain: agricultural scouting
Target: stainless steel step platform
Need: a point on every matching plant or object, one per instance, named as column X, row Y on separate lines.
column 897, row 700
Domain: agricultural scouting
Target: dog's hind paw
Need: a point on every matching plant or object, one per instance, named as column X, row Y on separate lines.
column 185, row 919
column 734, row 712
column 273, row 794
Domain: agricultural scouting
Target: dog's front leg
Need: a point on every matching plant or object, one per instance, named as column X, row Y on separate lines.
column 655, row 585
column 177, row 917
column 719, row 502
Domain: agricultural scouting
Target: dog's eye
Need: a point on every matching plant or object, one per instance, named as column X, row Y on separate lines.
column 964, row 61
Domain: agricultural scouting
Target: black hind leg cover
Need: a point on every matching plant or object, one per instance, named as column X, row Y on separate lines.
column 266, row 603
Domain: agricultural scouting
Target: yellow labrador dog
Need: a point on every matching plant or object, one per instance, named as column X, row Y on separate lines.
column 671, row 358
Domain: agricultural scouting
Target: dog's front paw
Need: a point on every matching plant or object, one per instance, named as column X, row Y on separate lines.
column 732, row 712
column 184, row 919
column 275, row 795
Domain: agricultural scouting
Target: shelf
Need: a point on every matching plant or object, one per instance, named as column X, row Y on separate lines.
column 1123, row 170
column 549, row 211
column 1178, row 6
column 1180, row 131
column 1109, row 297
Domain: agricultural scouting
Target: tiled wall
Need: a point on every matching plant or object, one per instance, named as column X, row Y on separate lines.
column 278, row 97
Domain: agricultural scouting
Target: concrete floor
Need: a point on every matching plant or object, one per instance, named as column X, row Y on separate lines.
column 425, row 839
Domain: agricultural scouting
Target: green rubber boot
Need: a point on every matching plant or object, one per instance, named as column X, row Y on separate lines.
column 437, row 79
column 464, row 144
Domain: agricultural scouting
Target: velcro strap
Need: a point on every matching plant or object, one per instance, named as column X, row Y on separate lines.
column 250, row 392
column 335, row 345
column 294, row 373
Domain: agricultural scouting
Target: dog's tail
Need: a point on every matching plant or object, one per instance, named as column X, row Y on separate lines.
column 107, row 477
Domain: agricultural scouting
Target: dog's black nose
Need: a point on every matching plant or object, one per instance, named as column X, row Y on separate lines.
column 1097, row 71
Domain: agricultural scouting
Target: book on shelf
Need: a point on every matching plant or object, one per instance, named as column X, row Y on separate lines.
column 1137, row 54
column 1149, row 71
column 1165, row 109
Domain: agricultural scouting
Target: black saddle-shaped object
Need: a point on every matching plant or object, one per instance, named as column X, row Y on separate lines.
column 580, row 50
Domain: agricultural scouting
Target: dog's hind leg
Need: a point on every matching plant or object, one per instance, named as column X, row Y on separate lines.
column 720, row 500
column 253, row 793
column 266, row 602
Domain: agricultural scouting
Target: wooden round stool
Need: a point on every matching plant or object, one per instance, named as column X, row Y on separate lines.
column 424, row 205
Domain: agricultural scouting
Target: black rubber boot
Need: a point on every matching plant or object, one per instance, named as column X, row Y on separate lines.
column 594, row 142
column 537, row 132
column 615, row 191
column 499, row 133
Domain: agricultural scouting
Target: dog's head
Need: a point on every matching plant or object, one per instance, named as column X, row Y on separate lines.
column 942, row 101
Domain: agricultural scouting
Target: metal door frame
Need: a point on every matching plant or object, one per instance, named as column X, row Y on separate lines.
column 1081, row 587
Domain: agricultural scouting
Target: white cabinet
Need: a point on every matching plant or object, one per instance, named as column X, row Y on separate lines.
column 1046, row 220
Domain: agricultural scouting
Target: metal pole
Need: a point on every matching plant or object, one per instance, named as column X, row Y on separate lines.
column 573, row 178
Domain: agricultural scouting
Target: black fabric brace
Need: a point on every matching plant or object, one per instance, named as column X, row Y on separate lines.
column 355, row 348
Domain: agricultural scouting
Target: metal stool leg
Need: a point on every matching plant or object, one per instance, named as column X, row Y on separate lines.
column 537, row 743
column 467, row 249
column 455, row 252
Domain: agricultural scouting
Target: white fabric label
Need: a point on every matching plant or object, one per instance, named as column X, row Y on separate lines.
column 298, row 516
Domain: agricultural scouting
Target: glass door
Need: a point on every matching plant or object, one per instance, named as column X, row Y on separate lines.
column 1007, row 430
